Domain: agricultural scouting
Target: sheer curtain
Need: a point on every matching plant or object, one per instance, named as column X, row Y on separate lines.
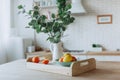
column 4, row 28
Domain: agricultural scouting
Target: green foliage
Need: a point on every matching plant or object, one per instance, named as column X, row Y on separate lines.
column 96, row 45
column 54, row 27
column 20, row 7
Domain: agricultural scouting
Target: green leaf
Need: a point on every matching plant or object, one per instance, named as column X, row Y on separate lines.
column 30, row 24
column 72, row 19
column 20, row 7
column 35, row 13
column 53, row 15
column 68, row 7
column 43, row 24
column 58, row 34
column 63, row 28
column 45, row 31
column 38, row 30
column 51, row 39
column 43, row 17
column 33, row 21
column 30, row 12
column 36, row 7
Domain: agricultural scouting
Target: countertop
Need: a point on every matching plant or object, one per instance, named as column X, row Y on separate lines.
column 90, row 53
column 17, row 70
column 102, row 53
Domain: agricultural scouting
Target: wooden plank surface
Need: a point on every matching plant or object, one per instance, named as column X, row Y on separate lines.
column 17, row 71
column 114, row 53
column 103, row 53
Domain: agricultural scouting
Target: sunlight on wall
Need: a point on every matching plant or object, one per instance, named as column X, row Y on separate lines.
column 5, row 18
column 4, row 28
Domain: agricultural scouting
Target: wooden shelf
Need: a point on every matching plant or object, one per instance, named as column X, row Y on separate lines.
column 48, row 55
column 103, row 53
column 39, row 52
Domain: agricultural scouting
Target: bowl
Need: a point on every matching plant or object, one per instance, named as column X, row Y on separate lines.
column 66, row 64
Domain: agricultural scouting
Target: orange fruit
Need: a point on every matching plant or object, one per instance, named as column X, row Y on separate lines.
column 36, row 59
column 74, row 58
column 45, row 61
column 61, row 59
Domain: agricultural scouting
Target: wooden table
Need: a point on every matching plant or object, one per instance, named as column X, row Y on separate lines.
column 17, row 71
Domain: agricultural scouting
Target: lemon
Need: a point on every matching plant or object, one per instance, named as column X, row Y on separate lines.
column 67, row 58
column 66, row 54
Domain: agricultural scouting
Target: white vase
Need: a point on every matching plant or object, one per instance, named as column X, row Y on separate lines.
column 57, row 50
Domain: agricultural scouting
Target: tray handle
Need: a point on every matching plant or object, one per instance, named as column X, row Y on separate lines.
column 79, row 67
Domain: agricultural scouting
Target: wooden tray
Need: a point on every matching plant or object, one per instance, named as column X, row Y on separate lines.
column 76, row 68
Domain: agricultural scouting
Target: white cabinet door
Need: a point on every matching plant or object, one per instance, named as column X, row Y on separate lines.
column 106, row 58
column 98, row 58
column 17, row 47
column 81, row 57
column 112, row 58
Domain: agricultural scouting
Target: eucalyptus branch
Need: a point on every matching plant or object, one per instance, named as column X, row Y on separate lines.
column 55, row 27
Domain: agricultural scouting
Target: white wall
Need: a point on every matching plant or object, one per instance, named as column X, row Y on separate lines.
column 20, row 21
column 85, row 30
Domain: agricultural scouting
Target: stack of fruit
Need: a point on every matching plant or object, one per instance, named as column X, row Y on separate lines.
column 36, row 59
column 66, row 60
column 67, row 57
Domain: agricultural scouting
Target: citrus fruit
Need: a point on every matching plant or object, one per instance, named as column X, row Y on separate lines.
column 36, row 59
column 45, row 61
